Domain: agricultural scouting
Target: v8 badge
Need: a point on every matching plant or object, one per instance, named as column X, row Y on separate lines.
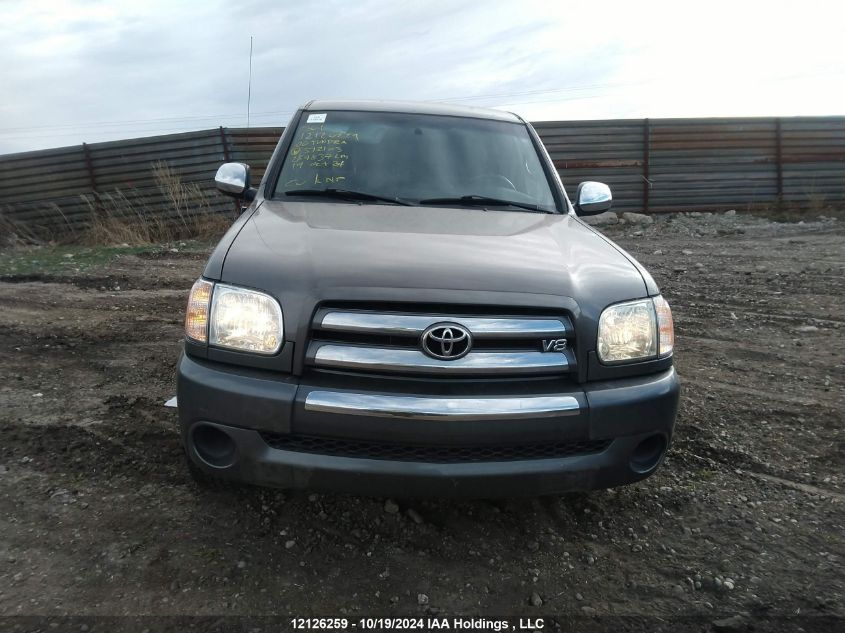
column 554, row 345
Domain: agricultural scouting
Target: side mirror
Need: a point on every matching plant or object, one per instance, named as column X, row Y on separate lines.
column 233, row 180
column 592, row 197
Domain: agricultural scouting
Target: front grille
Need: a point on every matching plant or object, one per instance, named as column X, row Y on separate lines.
column 389, row 340
column 432, row 453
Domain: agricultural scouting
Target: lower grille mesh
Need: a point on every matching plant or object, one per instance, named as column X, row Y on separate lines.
column 432, row 453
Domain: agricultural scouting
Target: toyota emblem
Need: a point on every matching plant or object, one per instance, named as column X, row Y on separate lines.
column 446, row 341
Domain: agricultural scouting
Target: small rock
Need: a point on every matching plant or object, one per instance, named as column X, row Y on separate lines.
column 728, row 584
column 422, row 599
column 730, row 212
column 62, row 496
column 391, row 507
column 608, row 217
column 686, row 251
column 800, row 328
column 241, row 564
column 579, row 597
column 588, row 610
column 637, row 218
column 289, row 544
column 733, row 623
column 535, row 600
column 533, row 546
column 415, row 516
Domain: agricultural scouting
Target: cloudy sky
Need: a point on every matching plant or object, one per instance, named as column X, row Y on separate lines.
column 86, row 70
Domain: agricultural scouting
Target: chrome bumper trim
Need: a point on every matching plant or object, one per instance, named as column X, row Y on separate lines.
column 337, row 356
column 419, row 408
column 415, row 324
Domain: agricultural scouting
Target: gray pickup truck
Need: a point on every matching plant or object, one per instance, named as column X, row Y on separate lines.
column 410, row 306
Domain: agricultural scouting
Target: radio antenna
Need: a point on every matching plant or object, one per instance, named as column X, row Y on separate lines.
column 249, row 87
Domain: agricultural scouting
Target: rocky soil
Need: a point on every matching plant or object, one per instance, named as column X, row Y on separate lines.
column 742, row 526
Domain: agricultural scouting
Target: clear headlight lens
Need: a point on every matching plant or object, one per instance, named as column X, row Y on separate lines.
column 196, row 317
column 246, row 320
column 636, row 330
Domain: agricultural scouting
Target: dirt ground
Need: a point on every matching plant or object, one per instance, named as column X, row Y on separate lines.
column 742, row 526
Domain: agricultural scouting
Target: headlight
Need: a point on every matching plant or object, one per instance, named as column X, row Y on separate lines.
column 232, row 317
column 245, row 319
column 635, row 330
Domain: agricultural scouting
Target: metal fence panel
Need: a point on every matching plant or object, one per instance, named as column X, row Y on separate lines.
column 608, row 151
column 651, row 165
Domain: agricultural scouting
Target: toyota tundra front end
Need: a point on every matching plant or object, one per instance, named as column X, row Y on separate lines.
column 411, row 306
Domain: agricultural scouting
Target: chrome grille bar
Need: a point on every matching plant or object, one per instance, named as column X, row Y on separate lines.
column 362, row 322
column 420, row 408
column 397, row 359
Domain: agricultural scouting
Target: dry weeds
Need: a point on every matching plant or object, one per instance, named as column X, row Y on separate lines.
column 130, row 217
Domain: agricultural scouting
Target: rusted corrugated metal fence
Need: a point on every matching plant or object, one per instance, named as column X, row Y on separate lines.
column 53, row 192
column 651, row 165
column 657, row 165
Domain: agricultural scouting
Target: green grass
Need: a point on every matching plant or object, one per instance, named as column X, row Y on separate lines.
column 56, row 260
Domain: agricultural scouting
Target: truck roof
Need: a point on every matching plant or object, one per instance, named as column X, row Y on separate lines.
column 410, row 107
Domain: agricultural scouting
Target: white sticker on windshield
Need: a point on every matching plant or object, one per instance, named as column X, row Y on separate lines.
column 316, row 118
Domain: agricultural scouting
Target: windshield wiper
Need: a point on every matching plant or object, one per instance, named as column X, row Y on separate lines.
column 482, row 201
column 346, row 194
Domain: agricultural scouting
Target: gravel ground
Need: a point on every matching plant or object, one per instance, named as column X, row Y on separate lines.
column 742, row 526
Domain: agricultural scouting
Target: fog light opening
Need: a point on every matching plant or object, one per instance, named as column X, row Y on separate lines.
column 213, row 446
column 648, row 453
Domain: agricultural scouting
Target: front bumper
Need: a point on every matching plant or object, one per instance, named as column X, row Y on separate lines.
column 248, row 407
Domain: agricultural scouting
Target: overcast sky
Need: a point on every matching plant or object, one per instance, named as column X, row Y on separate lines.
column 91, row 71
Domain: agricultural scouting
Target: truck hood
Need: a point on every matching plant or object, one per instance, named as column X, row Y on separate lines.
column 307, row 252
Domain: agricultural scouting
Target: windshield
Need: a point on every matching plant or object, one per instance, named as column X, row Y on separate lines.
column 416, row 157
